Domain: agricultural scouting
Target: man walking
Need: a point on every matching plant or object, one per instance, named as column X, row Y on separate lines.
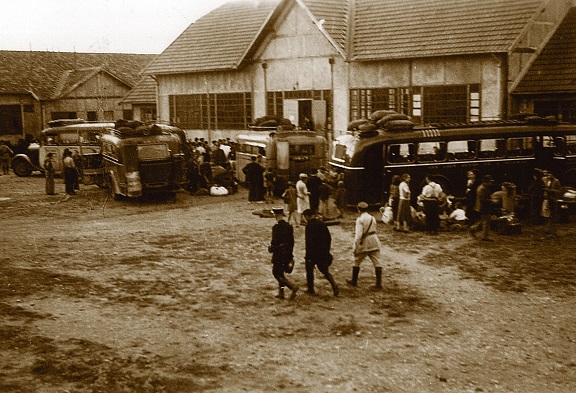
column 281, row 247
column 366, row 244
column 318, row 241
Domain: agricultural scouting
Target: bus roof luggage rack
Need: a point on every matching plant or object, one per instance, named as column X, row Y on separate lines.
column 270, row 122
column 65, row 122
column 133, row 128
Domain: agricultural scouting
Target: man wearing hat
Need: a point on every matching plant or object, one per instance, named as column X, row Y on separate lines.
column 318, row 241
column 366, row 244
column 484, row 208
column 281, row 247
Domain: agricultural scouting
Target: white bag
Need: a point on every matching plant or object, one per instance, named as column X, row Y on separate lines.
column 218, row 190
column 387, row 216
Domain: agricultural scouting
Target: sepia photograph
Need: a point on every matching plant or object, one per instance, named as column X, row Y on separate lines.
column 303, row 196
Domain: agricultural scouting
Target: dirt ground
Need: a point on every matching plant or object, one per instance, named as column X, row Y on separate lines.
column 177, row 295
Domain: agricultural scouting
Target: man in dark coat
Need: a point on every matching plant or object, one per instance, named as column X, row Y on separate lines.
column 254, row 173
column 313, row 184
column 281, row 247
column 318, row 241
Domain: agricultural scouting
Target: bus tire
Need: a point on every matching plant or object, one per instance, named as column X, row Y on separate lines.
column 21, row 168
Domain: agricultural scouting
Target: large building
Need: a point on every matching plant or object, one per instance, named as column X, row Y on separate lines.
column 339, row 60
column 36, row 87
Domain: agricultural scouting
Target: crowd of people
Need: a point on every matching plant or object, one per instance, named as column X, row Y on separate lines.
column 211, row 166
column 484, row 202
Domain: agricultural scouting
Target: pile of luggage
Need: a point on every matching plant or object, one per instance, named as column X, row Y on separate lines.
column 267, row 122
column 386, row 120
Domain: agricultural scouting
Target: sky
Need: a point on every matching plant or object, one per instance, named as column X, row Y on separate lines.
column 101, row 26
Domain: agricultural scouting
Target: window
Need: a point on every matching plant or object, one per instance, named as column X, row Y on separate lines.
column 365, row 101
column 491, row 148
column 211, row 111
column 153, row 152
column 63, row 115
column 461, row 150
column 93, row 116
column 520, row 147
column 445, row 104
column 302, row 150
column 127, row 114
column 431, row 151
column 401, row 153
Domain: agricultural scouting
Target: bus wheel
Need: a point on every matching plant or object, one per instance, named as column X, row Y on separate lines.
column 21, row 168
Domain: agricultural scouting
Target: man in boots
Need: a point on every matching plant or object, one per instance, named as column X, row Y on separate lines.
column 281, row 247
column 366, row 244
column 318, row 241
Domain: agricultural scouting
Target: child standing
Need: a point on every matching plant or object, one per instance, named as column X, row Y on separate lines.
column 290, row 197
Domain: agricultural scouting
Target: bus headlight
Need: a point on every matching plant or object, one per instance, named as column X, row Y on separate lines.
column 133, row 182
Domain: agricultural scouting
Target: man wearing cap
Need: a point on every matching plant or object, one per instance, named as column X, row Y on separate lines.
column 302, row 194
column 366, row 244
column 281, row 247
column 484, row 207
column 318, row 241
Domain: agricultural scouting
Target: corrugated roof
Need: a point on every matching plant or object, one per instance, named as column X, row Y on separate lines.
column 394, row 29
column 42, row 72
column 217, row 41
column 143, row 93
column 555, row 68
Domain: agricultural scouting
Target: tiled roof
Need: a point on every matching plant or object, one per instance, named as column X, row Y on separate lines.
column 335, row 16
column 44, row 73
column 555, row 68
column 394, row 29
column 217, row 41
column 143, row 93
column 380, row 30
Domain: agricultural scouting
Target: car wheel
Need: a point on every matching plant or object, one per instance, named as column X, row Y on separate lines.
column 21, row 168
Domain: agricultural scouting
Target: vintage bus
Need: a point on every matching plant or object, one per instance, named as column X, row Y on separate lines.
column 508, row 150
column 288, row 153
column 82, row 138
column 143, row 159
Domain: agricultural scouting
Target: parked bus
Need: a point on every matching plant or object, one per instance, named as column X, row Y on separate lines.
column 140, row 159
column 509, row 151
column 80, row 137
column 287, row 153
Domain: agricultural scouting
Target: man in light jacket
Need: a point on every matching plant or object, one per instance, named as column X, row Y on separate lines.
column 366, row 244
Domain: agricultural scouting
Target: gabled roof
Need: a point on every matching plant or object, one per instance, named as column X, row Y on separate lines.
column 363, row 30
column 70, row 80
column 143, row 93
column 217, row 41
column 555, row 68
column 395, row 29
column 43, row 73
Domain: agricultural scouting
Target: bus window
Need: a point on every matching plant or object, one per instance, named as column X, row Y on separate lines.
column 431, row 151
column 570, row 145
column 460, row 150
column 301, row 150
column 154, row 152
column 67, row 138
column 90, row 137
column 401, row 153
column 520, row 147
column 491, row 148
